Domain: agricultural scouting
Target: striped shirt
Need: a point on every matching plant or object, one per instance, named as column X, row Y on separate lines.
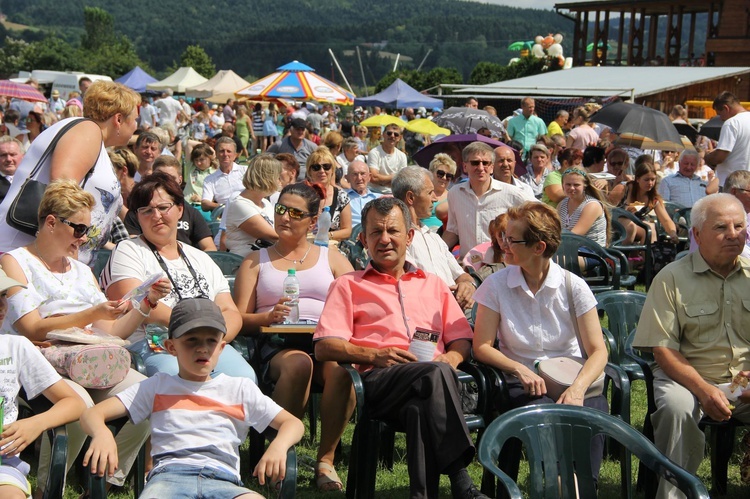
column 598, row 230
column 469, row 216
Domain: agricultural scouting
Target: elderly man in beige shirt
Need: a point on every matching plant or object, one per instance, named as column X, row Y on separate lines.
column 696, row 320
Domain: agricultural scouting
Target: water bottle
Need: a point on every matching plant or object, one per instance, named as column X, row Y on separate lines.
column 324, row 225
column 291, row 293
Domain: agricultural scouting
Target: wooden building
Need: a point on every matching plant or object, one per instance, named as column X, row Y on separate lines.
column 636, row 24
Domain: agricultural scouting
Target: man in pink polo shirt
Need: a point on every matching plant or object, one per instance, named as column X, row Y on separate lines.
column 407, row 334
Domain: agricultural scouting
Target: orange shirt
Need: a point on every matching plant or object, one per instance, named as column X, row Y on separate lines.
column 374, row 310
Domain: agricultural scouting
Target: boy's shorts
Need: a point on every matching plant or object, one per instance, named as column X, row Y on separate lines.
column 10, row 475
column 189, row 482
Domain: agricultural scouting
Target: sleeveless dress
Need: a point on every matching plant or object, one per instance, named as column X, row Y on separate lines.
column 269, row 126
column 598, row 230
column 243, row 132
column 102, row 184
column 258, row 123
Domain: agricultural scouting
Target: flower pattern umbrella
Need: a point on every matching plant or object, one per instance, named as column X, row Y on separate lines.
column 21, row 91
column 297, row 81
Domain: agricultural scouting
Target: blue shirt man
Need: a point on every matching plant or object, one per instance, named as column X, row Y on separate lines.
column 358, row 176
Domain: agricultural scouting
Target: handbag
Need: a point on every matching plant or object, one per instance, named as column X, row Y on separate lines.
column 23, row 213
column 91, row 358
column 559, row 373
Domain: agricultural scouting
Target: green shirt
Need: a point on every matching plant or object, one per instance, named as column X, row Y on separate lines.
column 553, row 178
column 702, row 315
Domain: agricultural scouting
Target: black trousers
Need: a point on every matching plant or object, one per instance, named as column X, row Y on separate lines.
column 422, row 399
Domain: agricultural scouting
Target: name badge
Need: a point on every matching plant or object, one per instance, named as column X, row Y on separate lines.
column 424, row 344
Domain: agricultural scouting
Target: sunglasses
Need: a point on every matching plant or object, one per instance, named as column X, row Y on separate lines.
column 445, row 175
column 294, row 213
column 479, row 162
column 317, row 167
column 148, row 211
column 79, row 230
column 392, row 134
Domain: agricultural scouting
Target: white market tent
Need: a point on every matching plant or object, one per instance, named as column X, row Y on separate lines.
column 219, row 88
column 178, row 81
column 631, row 82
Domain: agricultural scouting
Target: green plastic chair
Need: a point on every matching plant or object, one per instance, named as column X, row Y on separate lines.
column 648, row 265
column 229, row 263
column 567, row 254
column 353, row 250
column 58, row 436
column 559, row 462
column 623, row 309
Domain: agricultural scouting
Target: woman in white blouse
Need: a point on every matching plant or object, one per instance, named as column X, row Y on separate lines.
column 526, row 308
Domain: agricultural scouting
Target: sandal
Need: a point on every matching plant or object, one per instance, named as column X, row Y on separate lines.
column 328, row 481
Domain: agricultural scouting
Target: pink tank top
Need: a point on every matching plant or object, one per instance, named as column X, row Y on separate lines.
column 313, row 286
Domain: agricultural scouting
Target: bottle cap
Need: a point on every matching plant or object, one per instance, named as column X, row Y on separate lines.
column 327, row 208
column 291, row 272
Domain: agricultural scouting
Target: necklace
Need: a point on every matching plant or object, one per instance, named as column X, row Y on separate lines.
column 295, row 262
column 39, row 255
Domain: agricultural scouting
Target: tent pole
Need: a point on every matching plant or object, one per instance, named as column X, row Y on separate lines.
column 361, row 70
column 341, row 72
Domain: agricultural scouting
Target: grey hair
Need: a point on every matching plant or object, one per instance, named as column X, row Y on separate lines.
column 350, row 143
column 690, row 152
column 383, row 206
column 699, row 213
column 736, row 180
column 408, row 179
column 7, row 139
column 478, row 147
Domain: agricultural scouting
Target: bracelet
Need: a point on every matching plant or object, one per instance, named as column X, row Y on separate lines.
column 150, row 303
column 144, row 314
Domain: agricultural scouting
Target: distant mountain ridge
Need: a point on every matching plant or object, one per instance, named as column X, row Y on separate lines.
column 256, row 36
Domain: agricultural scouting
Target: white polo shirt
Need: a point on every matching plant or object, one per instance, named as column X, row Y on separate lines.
column 429, row 252
column 221, row 187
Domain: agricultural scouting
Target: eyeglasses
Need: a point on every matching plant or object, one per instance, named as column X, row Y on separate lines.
column 479, row 162
column 391, row 133
column 508, row 240
column 325, row 166
column 294, row 213
column 616, row 163
column 445, row 175
column 79, row 230
column 148, row 211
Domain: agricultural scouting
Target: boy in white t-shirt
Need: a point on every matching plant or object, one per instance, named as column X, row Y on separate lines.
column 197, row 422
column 23, row 366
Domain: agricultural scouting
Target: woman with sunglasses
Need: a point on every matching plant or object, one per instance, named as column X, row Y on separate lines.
column 111, row 109
column 526, row 308
column 258, row 294
column 321, row 166
column 443, row 170
column 249, row 216
column 62, row 293
column 618, row 163
column 35, row 124
column 158, row 202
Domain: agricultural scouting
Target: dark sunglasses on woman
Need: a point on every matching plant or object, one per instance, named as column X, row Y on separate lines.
column 325, row 166
column 79, row 230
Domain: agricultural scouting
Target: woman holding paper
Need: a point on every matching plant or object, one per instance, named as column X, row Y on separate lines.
column 158, row 202
column 526, row 308
column 62, row 293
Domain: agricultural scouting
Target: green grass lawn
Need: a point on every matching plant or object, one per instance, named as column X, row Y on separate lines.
column 395, row 484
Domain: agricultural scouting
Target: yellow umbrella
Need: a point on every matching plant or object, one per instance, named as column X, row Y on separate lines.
column 426, row 127
column 383, row 120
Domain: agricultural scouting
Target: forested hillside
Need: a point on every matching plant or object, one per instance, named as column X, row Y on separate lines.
column 253, row 37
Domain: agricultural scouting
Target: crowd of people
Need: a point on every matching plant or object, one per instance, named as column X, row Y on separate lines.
column 163, row 184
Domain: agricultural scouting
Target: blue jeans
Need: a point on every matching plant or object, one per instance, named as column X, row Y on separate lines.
column 188, row 482
column 230, row 362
